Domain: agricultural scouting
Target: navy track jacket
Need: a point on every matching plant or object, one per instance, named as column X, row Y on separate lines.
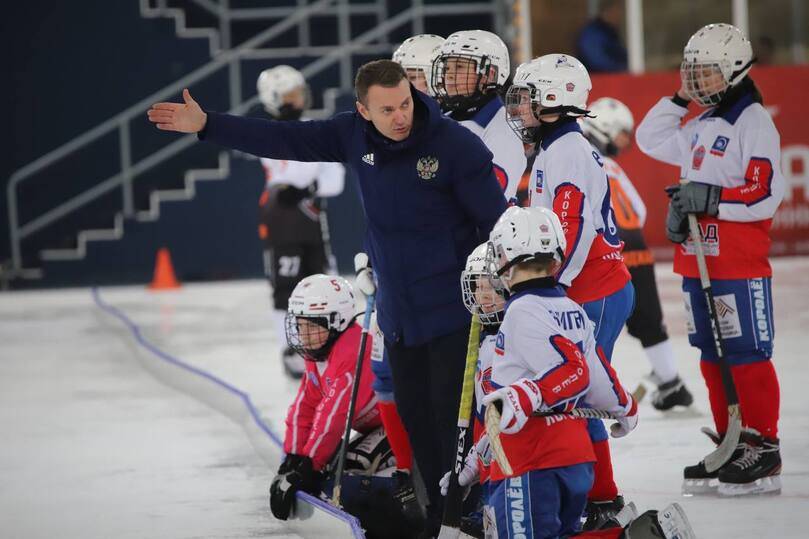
column 429, row 201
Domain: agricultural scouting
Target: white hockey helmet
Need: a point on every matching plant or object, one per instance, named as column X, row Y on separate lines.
column 521, row 235
column 608, row 118
column 479, row 296
column 548, row 85
column 324, row 301
column 418, row 52
column 485, row 49
column 717, row 57
column 274, row 83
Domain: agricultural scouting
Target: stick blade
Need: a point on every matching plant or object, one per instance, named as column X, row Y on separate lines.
column 449, row 532
column 722, row 454
column 639, row 393
column 493, row 430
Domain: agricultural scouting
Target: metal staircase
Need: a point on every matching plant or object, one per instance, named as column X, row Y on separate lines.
column 153, row 9
column 225, row 68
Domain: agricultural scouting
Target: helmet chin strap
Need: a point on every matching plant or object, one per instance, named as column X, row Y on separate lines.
column 507, row 277
column 735, row 74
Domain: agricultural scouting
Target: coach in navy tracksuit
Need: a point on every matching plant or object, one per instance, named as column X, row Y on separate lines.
column 430, row 196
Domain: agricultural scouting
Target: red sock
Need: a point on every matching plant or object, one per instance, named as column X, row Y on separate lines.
column 397, row 435
column 759, row 396
column 612, row 533
column 604, row 487
column 716, row 394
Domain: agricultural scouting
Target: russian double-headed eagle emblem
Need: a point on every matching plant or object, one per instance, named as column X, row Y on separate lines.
column 427, row 167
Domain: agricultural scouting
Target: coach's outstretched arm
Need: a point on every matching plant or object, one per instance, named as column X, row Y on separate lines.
column 296, row 141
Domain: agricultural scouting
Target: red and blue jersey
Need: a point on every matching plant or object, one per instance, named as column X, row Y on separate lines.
column 508, row 155
column 547, row 338
column 569, row 178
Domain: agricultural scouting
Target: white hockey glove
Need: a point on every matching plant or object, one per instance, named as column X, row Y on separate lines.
column 484, row 450
column 364, row 274
column 519, row 401
column 626, row 424
column 468, row 474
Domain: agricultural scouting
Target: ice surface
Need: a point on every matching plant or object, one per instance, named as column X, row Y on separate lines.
column 94, row 446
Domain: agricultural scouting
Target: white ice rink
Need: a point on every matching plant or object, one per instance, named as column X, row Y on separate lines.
column 102, row 437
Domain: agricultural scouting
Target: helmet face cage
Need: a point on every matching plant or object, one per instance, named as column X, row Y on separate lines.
column 704, row 82
column 481, row 298
column 522, row 111
column 456, row 79
column 493, row 265
column 310, row 336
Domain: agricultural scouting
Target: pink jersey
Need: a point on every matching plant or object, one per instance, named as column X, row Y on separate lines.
column 738, row 149
column 317, row 417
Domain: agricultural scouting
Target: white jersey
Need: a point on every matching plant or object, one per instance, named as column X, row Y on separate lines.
column 330, row 177
column 616, row 173
column 541, row 331
column 738, row 149
column 509, row 161
column 569, row 177
column 483, row 374
column 721, row 150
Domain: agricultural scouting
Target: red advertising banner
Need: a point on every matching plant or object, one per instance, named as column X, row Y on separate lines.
column 784, row 90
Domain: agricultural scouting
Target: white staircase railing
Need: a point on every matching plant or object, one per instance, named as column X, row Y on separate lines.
column 225, row 59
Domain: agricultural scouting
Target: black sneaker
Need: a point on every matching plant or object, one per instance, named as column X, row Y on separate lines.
column 697, row 480
column 294, row 364
column 671, row 394
column 756, row 471
column 598, row 514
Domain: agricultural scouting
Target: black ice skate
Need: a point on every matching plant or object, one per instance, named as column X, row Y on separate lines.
column 472, row 525
column 406, row 500
column 294, row 364
column 671, row 394
column 670, row 523
column 699, row 481
column 622, row 518
column 756, row 471
column 598, row 514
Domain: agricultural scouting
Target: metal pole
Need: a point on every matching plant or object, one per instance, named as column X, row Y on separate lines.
column 126, row 168
column 303, row 28
column 418, row 17
column 344, row 36
column 741, row 20
column 524, row 28
column 224, row 24
column 13, row 228
column 234, row 63
column 592, row 9
column 382, row 16
column 634, row 33
column 798, row 31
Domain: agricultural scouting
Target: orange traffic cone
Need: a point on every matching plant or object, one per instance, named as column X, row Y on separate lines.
column 164, row 278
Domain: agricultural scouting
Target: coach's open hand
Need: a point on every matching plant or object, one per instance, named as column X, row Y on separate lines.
column 185, row 117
